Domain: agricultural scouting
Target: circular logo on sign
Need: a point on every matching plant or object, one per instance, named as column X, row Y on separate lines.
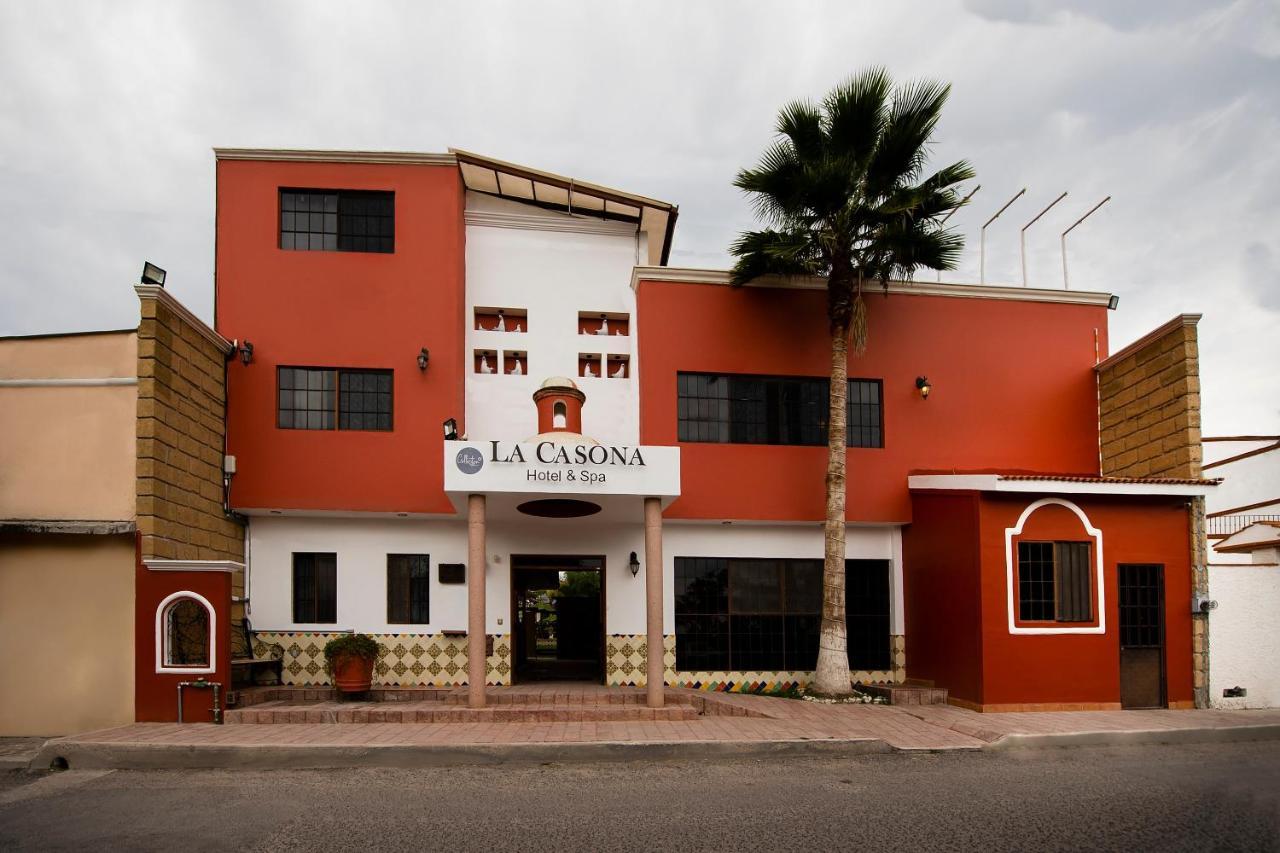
column 469, row 460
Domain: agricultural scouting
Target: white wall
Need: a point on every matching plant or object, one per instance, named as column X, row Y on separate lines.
column 362, row 546
column 1244, row 635
column 1248, row 481
column 518, row 256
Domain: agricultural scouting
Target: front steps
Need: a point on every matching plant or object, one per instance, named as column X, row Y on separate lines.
column 907, row 694
column 520, row 704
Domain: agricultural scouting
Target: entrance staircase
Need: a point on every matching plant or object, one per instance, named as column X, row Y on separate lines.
column 541, row 703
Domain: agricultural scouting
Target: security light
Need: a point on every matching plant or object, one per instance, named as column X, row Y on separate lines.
column 634, row 564
column 1114, row 302
column 451, row 430
column 152, row 274
column 922, row 384
column 423, row 358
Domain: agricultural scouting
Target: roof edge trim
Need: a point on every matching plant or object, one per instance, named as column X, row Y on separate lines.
column 679, row 275
column 297, row 155
column 1148, row 339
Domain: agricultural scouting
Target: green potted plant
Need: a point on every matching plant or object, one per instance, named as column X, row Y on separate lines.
column 349, row 660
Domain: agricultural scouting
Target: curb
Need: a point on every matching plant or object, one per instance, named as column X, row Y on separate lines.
column 1227, row 734
column 136, row 756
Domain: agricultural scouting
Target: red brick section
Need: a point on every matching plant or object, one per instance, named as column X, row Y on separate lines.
column 925, row 727
column 1149, row 426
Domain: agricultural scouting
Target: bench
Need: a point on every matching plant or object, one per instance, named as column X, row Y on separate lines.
column 253, row 671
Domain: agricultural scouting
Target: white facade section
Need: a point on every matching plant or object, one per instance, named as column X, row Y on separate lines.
column 1250, row 489
column 553, row 266
column 362, row 546
column 1244, row 647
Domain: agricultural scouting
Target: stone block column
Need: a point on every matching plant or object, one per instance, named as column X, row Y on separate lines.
column 655, row 667
column 476, row 563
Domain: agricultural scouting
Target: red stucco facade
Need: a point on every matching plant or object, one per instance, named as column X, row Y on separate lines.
column 342, row 309
column 957, row 605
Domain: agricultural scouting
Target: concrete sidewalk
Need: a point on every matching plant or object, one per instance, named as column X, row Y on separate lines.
column 775, row 727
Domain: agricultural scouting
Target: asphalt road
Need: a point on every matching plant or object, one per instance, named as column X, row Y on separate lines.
column 1166, row 798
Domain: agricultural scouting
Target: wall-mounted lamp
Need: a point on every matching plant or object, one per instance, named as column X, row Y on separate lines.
column 634, row 564
column 451, row 430
column 923, row 386
column 246, row 353
column 424, row 357
column 1114, row 302
column 152, row 274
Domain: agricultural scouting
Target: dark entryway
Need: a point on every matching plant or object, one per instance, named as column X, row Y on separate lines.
column 557, row 617
column 1141, row 635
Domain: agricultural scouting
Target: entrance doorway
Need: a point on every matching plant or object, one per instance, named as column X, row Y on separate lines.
column 557, row 617
column 1141, row 635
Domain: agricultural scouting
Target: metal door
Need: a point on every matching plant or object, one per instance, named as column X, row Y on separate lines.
column 1141, row 635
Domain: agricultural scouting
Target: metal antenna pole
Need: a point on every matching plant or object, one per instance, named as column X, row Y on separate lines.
column 1022, row 236
column 1066, row 283
column 982, row 238
column 962, row 203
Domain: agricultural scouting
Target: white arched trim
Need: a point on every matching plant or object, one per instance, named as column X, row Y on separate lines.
column 161, row 665
column 1096, row 534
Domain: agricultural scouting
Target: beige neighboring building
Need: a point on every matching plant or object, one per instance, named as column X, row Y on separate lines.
column 68, row 410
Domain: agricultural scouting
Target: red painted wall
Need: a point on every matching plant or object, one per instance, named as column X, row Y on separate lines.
column 955, row 587
column 1084, row 667
column 156, row 694
column 941, row 587
column 342, row 309
column 1013, row 389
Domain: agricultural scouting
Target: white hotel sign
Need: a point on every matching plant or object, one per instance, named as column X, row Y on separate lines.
column 548, row 467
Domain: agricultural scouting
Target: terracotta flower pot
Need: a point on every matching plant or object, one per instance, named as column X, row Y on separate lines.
column 352, row 674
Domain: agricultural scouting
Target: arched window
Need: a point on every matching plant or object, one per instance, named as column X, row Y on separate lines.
column 559, row 415
column 185, row 634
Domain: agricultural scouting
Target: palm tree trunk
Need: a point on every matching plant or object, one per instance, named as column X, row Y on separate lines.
column 832, row 675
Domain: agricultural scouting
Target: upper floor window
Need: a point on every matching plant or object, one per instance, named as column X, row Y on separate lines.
column 1053, row 582
column 743, row 409
column 337, row 220
column 325, row 397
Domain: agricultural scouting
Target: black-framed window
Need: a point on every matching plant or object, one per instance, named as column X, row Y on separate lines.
column 749, row 615
column 408, row 589
column 315, row 588
column 337, row 220
column 327, row 397
column 746, row 409
column 1054, row 582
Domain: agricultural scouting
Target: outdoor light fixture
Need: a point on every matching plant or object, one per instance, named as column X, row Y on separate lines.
column 1114, row 302
column 246, row 353
column 922, row 383
column 152, row 274
column 423, row 358
column 451, row 430
column 634, row 564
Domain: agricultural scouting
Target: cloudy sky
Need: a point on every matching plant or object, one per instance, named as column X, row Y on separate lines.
column 108, row 112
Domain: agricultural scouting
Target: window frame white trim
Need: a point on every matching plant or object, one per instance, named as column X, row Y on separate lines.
column 161, row 666
column 1093, row 532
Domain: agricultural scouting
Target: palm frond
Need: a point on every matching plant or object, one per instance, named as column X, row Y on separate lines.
column 902, row 147
column 773, row 252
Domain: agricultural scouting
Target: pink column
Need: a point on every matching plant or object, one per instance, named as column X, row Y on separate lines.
column 476, row 561
column 655, row 671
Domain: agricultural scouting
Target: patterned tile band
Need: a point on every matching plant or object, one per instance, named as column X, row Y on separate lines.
column 436, row 660
column 408, row 660
column 626, row 655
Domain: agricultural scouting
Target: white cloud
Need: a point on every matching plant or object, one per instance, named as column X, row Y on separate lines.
column 108, row 112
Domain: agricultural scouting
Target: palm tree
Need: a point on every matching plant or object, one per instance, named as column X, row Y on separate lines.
column 843, row 196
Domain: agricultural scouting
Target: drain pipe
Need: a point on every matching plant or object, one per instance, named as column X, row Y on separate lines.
column 201, row 684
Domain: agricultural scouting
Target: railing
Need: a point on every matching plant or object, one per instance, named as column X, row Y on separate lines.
column 1226, row 525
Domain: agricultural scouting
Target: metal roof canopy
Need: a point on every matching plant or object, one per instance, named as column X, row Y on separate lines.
column 545, row 189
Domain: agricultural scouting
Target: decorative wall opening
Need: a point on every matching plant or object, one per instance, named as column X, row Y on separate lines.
column 185, row 634
column 589, row 365
column 501, row 319
column 515, row 362
column 559, row 415
column 486, row 361
column 610, row 324
column 618, row 367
